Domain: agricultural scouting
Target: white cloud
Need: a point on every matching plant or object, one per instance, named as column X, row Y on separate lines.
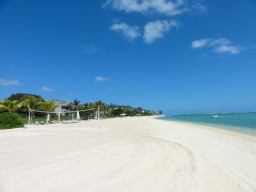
column 129, row 32
column 228, row 49
column 5, row 82
column 200, row 43
column 156, row 29
column 218, row 42
column 90, row 49
column 46, row 89
column 165, row 7
column 196, row 6
column 100, row 79
column 221, row 45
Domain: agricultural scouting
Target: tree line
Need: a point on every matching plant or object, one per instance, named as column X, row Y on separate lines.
column 24, row 104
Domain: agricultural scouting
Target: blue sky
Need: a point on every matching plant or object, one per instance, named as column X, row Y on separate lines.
column 178, row 56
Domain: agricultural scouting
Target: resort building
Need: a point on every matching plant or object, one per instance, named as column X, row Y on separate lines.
column 62, row 107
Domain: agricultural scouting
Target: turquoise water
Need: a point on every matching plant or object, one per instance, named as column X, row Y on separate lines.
column 239, row 122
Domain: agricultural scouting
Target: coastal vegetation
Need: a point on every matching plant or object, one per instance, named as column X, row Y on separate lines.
column 10, row 120
column 21, row 108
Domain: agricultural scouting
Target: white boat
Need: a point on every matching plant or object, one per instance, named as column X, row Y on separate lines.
column 215, row 115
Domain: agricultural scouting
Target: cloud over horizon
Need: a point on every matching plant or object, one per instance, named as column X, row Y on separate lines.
column 5, row 82
column 46, row 89
column 221, row 45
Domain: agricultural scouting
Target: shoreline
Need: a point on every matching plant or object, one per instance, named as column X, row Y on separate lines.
column 126, row 154
column 251, row 131
column 225, row 128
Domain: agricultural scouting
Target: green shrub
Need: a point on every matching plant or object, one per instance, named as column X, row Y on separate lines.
column 9, row 120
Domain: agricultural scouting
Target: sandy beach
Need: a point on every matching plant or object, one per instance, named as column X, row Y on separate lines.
column 126, row 155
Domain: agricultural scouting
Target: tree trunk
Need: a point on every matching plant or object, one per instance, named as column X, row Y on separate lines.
column 29, row 117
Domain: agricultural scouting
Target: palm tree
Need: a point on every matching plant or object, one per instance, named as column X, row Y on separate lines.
column 75, row 104
column 10, row 105
column 90, row 106
column 75, row 107
column 99, row 105
column 48, row 106
column 111, row 107
column 32, row 103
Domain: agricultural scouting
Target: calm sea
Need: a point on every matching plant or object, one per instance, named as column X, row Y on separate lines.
column 239, row 122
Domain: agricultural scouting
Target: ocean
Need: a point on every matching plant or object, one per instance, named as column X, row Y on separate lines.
column 239, row 122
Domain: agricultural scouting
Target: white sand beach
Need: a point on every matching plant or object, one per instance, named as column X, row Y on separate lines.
column 126, row 155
